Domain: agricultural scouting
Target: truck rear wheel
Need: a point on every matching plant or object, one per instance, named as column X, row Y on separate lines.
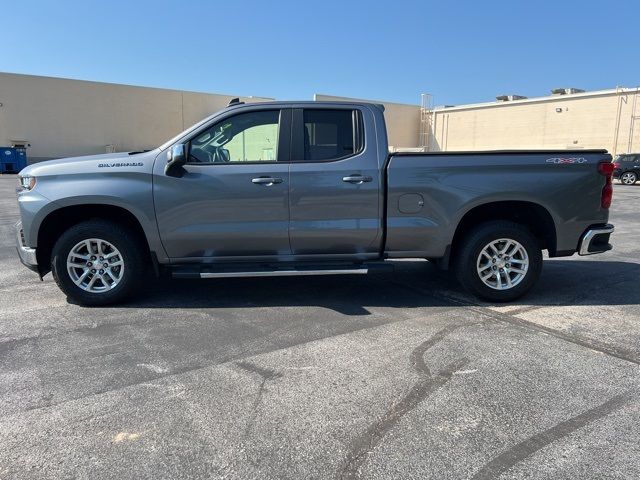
column 499, row 261
column 97, row 263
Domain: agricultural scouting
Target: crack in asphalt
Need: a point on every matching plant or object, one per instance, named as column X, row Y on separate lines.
column 521, row 310
column 175, row 372
column 508, row 317
column 9, row 345
column 367, row 441
column 265, row 374
column 601, row 347
column 514, row 455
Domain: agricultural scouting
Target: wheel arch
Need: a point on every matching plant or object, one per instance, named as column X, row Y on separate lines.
column 61, row 219
column 530, row 214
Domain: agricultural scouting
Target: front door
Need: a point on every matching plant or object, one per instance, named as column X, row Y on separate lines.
column 335, row 202
column 233, row 199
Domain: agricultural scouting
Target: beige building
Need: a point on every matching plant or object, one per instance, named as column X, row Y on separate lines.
column 58, row 117
column 598, row 119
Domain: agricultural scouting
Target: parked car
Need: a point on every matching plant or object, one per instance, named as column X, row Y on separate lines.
column 307, row 188
column 627, row 168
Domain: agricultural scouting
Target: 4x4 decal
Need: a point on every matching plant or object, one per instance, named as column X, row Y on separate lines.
column 566, row 160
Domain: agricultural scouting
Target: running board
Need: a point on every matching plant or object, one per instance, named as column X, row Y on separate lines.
column 238, row 270
column 284, row 273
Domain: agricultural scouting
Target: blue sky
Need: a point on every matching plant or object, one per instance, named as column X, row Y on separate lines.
column 459, row 51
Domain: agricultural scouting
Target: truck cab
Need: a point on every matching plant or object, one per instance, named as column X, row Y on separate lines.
column 274, row 182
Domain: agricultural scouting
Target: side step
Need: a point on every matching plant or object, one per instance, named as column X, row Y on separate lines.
column 274, row 270
column 285, row 273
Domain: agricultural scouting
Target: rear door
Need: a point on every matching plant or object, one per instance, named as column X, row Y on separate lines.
column 335, row 183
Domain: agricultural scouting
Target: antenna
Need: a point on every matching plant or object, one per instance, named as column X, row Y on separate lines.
column 234, row 101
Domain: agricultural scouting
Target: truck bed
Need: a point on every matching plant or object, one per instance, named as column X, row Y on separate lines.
column 428, row 194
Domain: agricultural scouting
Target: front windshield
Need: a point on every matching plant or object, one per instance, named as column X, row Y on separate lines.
column 173, row 140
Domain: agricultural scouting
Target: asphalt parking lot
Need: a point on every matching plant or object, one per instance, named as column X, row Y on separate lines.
column 387, row 376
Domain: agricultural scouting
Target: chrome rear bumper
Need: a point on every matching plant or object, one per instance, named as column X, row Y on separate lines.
column 27, row 254
column 596, row 240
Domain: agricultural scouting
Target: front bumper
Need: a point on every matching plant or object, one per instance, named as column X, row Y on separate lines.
column 27, row 254
column 595, row 240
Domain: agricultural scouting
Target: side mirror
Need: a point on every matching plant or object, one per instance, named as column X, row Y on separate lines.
column 176, row 159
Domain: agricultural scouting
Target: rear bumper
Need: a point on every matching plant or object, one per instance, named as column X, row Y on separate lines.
column 596, row 240
column 27, row 254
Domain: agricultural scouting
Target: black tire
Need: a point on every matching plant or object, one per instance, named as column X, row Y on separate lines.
column 466, row 259
column 632, row 178
column 127, row 243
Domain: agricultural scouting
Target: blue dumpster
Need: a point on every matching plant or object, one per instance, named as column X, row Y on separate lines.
column 12, row 160
column 21, row 155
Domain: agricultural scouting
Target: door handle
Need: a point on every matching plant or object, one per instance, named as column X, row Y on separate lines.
column 267, row 181
column 358, row 179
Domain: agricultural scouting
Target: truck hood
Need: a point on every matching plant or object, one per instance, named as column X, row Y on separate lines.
column 89, row 163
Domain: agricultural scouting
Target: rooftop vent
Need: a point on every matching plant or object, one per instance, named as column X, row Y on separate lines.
column 566, row 91
column 509, row 98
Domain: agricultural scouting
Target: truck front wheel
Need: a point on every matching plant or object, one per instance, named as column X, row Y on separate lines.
column 499, row 261
column 97, row 262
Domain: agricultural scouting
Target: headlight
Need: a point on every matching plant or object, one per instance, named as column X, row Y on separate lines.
column 27, row 183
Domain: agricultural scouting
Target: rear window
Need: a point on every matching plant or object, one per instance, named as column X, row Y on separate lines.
column 330, row 134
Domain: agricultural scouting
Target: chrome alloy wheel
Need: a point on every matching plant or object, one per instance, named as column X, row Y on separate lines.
column 95, row 265
column 502, row 264
column 628, row 178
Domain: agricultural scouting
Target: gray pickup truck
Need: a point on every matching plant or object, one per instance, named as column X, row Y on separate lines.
column 306, row 188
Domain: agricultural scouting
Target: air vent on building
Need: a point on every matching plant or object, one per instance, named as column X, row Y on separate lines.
column 566, row 91
column 509, row 98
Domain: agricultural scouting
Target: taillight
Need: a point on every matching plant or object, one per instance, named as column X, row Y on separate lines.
column 616, row 166
column 606, row 169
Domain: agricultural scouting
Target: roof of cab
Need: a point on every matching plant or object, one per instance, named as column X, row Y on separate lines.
column 301, row 103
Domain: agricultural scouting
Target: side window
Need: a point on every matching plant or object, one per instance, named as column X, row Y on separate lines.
column 246, row 137
column 330, row 134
